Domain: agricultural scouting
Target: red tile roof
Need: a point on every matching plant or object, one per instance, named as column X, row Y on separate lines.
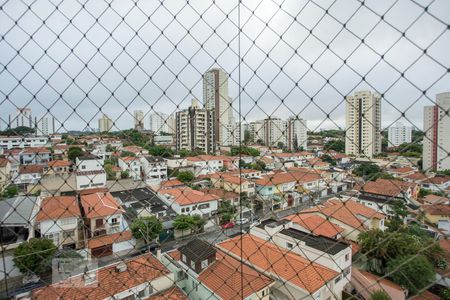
column 188, row 196
column 31, row 169
column 437, row 209
column 222, row 194
column 438, row 180
column 387, row 187
column 59, row 163
column 100, row 205
column 174, row 293
column 366, row 283
column 35, row 150
column 58, row 207
column 171, row 183
column 347, row 212
column 280, row 178
column 109, row 239
column 278, row 262
column 316, row 224
column 230, row 279
column 141, row 269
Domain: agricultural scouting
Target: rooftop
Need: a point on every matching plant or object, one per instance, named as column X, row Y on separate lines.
column 17, row 211
column 197, row 250
column 187, row 196
column 321, row 243
column 100, row 204
column 307, row 275
column 316, row 224
column 58, row 207
column 387, row 187
column 141, row 269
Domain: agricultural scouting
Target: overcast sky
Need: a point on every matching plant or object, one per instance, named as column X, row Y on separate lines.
column 289, row 50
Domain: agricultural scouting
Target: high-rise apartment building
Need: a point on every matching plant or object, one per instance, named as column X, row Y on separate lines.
column 45, row 125
column 274, row 132
column 195, row 129
column 297, row 134
column 215, row 96
column 399, row 134
column 436, row 142
column 105, row 124
column 363, row 124
column 159, row 122
column 256, row 130
column 23, row 117
column 138, row 116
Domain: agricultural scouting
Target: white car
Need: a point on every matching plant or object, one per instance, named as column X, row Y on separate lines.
column 242, row 221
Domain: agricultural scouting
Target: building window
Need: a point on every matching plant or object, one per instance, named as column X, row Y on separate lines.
column 192, row 264
column 289, row 245
column 69, row 234
column 183, row 258
column 347, row 257
column 67, row 221
column 337, row 279
column 204, row 264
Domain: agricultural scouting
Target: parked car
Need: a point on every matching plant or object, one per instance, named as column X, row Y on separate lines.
column 242, row 221
column 152, row 247
column 228, row 225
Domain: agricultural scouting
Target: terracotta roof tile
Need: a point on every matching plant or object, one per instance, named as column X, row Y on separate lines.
column 316, row 224
column 31, row 169
column 187, row 196
column 58, row 207
column 230, row 279
column 117, row 237
column 36, row 150
column 59, row 163
column 282, row 263
column 100, row 205
column 174, row 293
column 345, row 211
column 281, row 178
column 387, row 187
column 141, row 269
column 3, row 162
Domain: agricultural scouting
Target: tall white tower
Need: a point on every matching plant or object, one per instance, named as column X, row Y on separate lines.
column 363, row 124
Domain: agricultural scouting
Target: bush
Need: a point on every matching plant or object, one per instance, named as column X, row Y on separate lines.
column 74, row 152
column 185, row 176
column 146, row 228
column 34, row 256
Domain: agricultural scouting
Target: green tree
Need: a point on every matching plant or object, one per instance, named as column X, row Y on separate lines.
column 124, row 174
column 34, row 256
column 198, row 223
column 146, row 228
column 185, row 176
column 327, row 158
column 183, row 222
column 244, row 151
column 399, row 212
column 368, row 171
column 260, row 142
column 18, row 131
column 10, row 191
column 110, row 174
column 247, row 137
column 160, row 151
column 380, row 295
column 414, row 272
column 338, row 146
column 74, row 152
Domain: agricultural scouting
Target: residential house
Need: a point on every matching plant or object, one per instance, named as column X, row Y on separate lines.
column 5, row 172
column 329, row 252
column 402, row 172
column 439, row 184
column 416, row 177
column 171, row 183
column 350, row 215
column 231, row 197
column 90, row 172
column 205, row 272
column 17, row 217
column 435, row 199
column 232, row 183
column 205, row 164
column 295, row 276
column 29, row 175
column 382, row 194
column 35, row 155
column 141, row 277
column 58, row 167
column 187, row 201
column 436, row 213
column 154, row 169
column 132, row 165
column 136, row 150
column 270, row 163
column 143, row 202
column 315, row 224
column 106, row 229
column 59, row 219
